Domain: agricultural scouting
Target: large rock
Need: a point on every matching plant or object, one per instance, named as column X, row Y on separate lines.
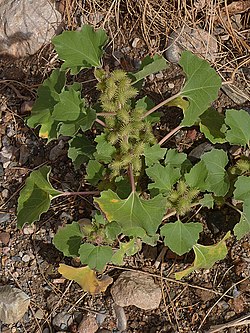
column 135, row 288
column 196, row 40
column 13, row 304
column 26, row 25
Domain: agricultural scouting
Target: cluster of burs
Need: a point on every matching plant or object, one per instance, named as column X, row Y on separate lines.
column 126, row 127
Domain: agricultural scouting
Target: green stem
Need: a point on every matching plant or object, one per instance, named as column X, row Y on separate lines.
column 131, row 178
column 166, row 137
column 166, row 101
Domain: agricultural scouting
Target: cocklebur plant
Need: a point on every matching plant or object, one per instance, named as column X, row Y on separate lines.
column 136, row 183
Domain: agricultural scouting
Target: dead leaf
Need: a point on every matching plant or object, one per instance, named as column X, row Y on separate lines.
column 86, row 278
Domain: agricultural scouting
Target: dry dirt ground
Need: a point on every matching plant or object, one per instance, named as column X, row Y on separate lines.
column 220, row 295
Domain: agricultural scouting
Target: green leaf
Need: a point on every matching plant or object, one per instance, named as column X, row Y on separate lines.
column 206, row 256
column 180, row 237
column 104, row 149
column 164, row 177
column 201, row 88
column 112, row 230
column 35, row 197
column 147, row 104
column 242, row 188
column 94, row 172
column 80, row 150
column 132, row 212
column 174, row 158
column 207, row 201
column 217, row 180
column 149, row 66
column 213, row 126
column 68, row 239
column 85, row 121
column 180, row 102
column 153, row 154
column 96, row 257
column 48, row 96
column 243, row 227
column 80, row 49
column 123, row 187
column 69, row 106
column 197, row 176
column 129, row 248
column 239, row 123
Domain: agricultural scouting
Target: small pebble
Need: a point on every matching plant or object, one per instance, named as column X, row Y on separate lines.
column 29, row 229
column 170, row 85
column 39, row 314
column 4, row 217
column 135, row 42
column 4, row 238
column 26, row 258
column 5, row 193
column 229, row 315
column 159, row 75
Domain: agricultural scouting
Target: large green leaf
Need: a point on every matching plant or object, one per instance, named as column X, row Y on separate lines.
column 80, row 49
column 206, row 256
column 239, row 123
column 48, row 97
column 196, row 177
column 69, row 106
column 153, row 154
column 242, row 188
column 201, row 87
column 243, row 227
column 213, row 126
column 68, row 239
column 84, row 122
column 80, row 150
column 149, row 66
column 94, row 172
column 133, row 212
column 217, row 180
column 242, row 192
column 164, row 177
column 96, row 257
column 177, row 160
column 104, row 149
column 181, row 237
column 35, row 197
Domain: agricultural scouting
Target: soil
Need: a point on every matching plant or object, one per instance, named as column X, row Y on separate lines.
column 28, row 258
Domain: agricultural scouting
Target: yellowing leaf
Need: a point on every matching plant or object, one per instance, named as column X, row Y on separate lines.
column 205, row 256
column 86, row 278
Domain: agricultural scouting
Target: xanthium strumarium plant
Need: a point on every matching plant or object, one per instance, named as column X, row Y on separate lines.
column 125, row 151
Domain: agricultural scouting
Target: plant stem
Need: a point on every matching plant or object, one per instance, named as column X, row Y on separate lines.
column 166, row 137
column 131, row 177
column 166, row 101
column 233, row 207
column 79, row 193
column 99, row 121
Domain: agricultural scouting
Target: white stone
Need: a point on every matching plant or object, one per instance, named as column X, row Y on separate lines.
column 26, row 25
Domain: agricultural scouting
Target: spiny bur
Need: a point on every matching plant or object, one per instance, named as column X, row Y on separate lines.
column 125, row 126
